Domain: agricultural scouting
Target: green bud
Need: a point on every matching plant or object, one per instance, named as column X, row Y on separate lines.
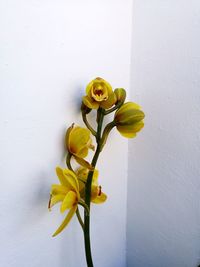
column 120, row 94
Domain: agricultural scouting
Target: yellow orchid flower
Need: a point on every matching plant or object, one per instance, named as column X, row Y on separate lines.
column 97, row 196
column 99, row 94
column 78, row 142
column 67, row 192
column 129, row 119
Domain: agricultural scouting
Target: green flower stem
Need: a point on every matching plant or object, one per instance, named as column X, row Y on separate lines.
column 100, row 116
column 68, row 161
column 106, row 132
column 88, row 125
column 119, row 104
column 79, row 218
column 86, row 215
column 84, row 205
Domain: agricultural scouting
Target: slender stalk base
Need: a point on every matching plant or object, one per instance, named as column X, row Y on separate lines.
column 88, row 254
column 86, row 215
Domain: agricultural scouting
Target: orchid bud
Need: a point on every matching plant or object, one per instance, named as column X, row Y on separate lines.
column 128, row 119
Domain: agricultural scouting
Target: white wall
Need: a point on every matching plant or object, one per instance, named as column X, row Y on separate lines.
column 163, row 186
column 49, row 51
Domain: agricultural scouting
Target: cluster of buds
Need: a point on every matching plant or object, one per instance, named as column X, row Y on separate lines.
column 128, row 117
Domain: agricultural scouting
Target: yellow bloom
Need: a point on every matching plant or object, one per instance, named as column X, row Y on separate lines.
column 97, row 196
column 129, row 119
column 99, row 94
column 67, row 192
column 78, row 142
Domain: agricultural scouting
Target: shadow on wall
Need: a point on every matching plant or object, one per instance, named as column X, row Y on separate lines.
column 37, row 204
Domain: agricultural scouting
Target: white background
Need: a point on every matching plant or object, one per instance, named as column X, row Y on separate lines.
column 49, row 51
column 164, row 175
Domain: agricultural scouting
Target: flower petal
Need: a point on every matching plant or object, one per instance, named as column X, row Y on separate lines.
column 95, row 177
column 127, row 135
column 83, row 152
column 69, row 201
column 66, row 221
column 58, row 189
column 61, row 177
column 84, row 163
column 68, row 134
column 129, row 105
column 129, row 131
column 94, row 192
column 79, row 138
column 88, row 87
column 120, row 95
column 71, row 179
column 90, row 103
column 82, row 173
column 100, row 199
column 109, row 102
column 55, row 199
column 67, row 178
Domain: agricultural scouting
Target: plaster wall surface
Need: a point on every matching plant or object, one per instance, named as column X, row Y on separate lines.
column 163, row 225
column 49, row 51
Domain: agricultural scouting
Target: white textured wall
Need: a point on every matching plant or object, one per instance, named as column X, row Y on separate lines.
column 164, row 169
column 49, row 50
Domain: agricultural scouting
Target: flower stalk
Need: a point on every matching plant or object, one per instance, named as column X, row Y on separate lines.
column 79, row 187
column 84, row 116
column 88, row 254
column 79, row 218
